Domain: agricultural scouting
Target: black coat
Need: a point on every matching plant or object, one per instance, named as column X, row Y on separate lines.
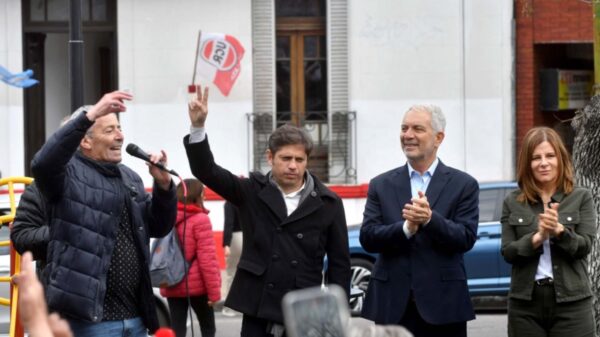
column 231, row 223
column 30, row 231
column 280, row 252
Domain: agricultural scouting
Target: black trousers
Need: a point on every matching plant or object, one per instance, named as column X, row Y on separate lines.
column 544, row 317
column 413, row 321
column 179, row 313
column 254, row 327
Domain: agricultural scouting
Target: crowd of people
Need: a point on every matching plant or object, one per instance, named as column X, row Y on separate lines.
column 88, row 220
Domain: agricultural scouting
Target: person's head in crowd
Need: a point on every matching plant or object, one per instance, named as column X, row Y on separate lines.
column 288, row 152
column 421, row 134
column 195, row 192
column 543, row 162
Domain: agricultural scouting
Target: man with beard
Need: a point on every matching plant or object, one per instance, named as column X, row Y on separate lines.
column 289, row 221
column 101, row 220
column 421, row 218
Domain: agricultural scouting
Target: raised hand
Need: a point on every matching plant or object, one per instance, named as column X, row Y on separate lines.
column 32, row 304
column 198, row 107
column 109, row 103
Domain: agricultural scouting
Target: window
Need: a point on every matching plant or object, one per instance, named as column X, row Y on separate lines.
column 301, row 77
column 93, row 12
column 301, row 74
column 488, row 202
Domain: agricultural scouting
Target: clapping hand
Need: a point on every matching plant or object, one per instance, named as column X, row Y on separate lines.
column 417, row 212
column 548, row 221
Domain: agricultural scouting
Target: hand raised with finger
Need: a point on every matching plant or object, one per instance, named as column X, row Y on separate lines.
column 32, row 306
column 198, row 107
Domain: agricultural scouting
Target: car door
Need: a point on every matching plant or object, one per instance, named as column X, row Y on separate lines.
column 482, row 263
column 504, row 268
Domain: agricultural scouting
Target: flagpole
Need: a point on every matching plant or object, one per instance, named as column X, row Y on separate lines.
column 196, row 58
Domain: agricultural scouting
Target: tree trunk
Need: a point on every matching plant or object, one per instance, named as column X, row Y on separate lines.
column 586, row 160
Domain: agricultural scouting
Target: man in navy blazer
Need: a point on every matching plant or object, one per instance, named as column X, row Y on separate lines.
column 421, row 218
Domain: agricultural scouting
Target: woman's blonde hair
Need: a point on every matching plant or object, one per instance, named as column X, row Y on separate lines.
column 564, row 180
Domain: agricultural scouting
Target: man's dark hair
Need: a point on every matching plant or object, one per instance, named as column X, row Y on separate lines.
column 288, row 134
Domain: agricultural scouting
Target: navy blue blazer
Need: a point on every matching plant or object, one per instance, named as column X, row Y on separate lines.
column 430, row 263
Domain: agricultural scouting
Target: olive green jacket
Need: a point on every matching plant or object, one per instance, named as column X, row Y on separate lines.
column 577, row 214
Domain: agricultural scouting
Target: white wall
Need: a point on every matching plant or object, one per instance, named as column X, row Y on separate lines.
column 58, row 92
column 408, row 52
column 11, row 98
column 401, row 53
column 157, row 43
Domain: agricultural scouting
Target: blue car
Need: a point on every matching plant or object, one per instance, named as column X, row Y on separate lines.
column 487, row 272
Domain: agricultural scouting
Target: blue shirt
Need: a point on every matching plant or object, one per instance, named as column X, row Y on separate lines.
column 420, row 182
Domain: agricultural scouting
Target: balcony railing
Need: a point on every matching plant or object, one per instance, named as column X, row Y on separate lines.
column 333, row 158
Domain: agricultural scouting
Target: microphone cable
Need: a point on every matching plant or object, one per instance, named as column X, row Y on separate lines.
column 185, row 264
column 135, row 151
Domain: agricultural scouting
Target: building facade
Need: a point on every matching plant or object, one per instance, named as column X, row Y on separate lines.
column 552, row 35
column 346, row 70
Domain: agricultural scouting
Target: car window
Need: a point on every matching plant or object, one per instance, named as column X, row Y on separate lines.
column 508, row 191
column 488, row 201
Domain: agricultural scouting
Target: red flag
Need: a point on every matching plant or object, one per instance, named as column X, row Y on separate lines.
column 219, row 60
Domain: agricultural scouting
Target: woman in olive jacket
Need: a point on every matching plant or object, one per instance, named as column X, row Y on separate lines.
column 548, row 227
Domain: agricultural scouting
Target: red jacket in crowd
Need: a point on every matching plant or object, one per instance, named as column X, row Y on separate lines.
column 204, row 276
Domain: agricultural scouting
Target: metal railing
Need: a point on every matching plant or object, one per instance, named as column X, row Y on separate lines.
column 333, row 159
column 16, row 329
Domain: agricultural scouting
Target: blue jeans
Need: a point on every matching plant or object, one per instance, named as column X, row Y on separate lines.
column 127, row 328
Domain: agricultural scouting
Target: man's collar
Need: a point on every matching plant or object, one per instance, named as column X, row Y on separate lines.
column 429, row 170
column 106, row 168
column 295, row 193
column 274, row 183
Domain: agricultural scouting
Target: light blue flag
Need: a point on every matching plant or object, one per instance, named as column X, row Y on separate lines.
column 19, row 80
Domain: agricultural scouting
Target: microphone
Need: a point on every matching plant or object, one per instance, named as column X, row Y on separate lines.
column 135, row 151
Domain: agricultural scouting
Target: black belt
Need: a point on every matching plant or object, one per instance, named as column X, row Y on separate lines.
column 548, row 281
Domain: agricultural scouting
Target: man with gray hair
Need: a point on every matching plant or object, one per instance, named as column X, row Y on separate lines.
column 100, row 220
column 421, row 218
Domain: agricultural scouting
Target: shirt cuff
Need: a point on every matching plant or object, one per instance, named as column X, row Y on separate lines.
column 197, row 135
column 406, row 231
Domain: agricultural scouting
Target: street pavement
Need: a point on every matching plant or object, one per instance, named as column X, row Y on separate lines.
column 486, row 325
